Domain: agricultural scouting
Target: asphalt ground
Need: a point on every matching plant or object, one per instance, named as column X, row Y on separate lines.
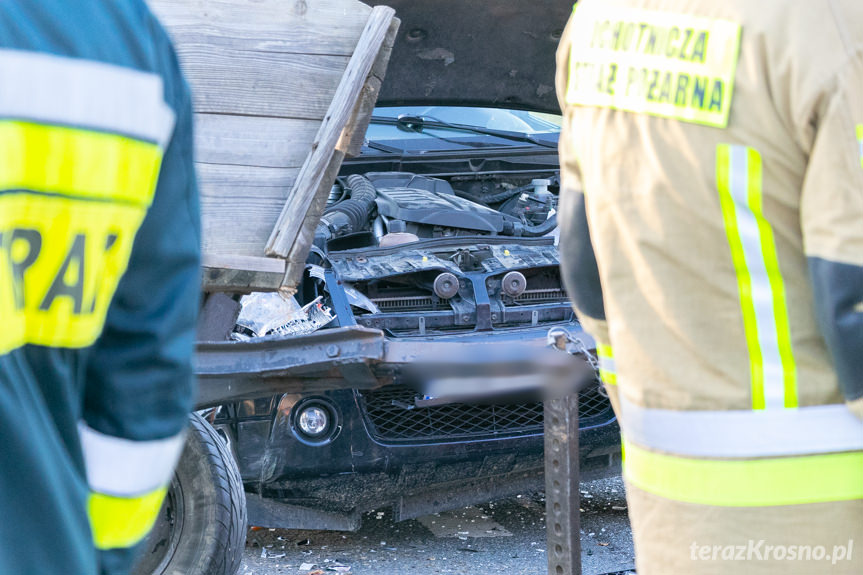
column 506, row 537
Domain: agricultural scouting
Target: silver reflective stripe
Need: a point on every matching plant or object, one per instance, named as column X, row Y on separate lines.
column 126, row 468
column 762, row 291
column 607, row 364
column 58, row 90
column 743, row 434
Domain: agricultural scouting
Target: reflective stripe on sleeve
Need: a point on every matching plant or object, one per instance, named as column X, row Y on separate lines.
column 74, row 92
column 118, row 523
column 760, row 285
column 761, row 433
column 746, row 483
column 126, row 468
column 77, row 163
column 607, row 366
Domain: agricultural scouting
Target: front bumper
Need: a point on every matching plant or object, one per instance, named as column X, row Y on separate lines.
column 361, row 358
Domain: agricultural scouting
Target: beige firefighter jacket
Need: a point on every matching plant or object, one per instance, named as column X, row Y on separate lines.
column 716, row 148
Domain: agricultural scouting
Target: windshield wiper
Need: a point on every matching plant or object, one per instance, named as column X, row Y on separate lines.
column 383, row 147
column 418, row 123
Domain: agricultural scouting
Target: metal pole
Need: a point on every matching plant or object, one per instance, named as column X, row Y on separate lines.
column 563, row 522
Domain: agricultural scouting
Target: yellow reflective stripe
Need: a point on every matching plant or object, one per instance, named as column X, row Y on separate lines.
column 726, row 202
column 665, row 64
column 860, row 142
column 747, row 483
column 62, row 260
column 763, row 303
column 607, row 373
column 118, row 523
column 79, row 163
column 71, row 202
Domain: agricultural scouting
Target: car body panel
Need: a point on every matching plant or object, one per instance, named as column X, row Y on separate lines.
column 498, row 53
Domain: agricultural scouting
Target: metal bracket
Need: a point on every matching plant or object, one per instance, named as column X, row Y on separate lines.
column 563, row 522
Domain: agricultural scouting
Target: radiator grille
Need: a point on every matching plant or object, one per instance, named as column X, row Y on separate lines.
column 408, row 304
column 388, row 420
column 541, row 296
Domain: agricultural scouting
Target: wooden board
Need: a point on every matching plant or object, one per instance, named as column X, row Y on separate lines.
column 346, row 99
column 263, row 75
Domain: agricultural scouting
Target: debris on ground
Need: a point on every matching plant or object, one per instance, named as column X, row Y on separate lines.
column 471, row 522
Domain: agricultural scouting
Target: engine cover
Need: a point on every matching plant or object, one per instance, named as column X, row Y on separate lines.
column 430, row 201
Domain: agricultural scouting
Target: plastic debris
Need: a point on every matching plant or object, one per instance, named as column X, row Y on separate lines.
column 357, row 299
column 266, row 314
column 307, row 566
column 268, row 554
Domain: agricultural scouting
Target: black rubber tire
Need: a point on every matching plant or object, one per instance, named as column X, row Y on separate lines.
column 201, row 529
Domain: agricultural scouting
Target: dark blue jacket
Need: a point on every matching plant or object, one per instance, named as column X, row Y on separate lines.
column 132, row 380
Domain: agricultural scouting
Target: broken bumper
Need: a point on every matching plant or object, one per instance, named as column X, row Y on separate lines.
column 470, row 366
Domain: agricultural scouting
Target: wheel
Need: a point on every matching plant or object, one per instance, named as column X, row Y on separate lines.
column 201, row 529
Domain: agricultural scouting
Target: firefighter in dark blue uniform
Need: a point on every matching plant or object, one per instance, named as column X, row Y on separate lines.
column 99, row 260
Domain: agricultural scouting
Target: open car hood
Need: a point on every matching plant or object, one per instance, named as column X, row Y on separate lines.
column 495, row 53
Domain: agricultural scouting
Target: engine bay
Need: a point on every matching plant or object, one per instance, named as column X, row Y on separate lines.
column 422, row 207
column 415, row 255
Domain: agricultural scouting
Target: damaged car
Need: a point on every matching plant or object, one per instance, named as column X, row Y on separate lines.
column 441, row 257
column 406, row 371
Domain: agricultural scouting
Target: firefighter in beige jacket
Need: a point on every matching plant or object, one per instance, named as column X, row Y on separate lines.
column 714, row 151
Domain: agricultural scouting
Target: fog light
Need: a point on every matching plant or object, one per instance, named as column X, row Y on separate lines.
column 314, row 421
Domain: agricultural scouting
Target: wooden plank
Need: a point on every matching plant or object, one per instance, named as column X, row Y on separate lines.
column 239, row 182
column 250, row 263
column 239, row 281
column 253, row 141
column 350, row 144
column 351, row 141
column 324, row 27
column 267, row 58
column 292, row 217
column 261, row 84
column 263, row 75
column 299, row 252
column 240, row 205
column 241, row 273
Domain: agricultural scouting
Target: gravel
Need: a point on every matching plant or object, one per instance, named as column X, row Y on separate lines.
column 471, row 545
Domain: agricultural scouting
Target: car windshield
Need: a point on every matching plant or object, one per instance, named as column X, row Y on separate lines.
column 384, row 133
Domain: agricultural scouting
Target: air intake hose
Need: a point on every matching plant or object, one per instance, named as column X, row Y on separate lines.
column 350, row 215
column 539, row 230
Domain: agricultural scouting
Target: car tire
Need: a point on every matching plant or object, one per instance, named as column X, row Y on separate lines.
column 201, row 529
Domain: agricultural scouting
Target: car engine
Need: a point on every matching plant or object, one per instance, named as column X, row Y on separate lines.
column 424, row 207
